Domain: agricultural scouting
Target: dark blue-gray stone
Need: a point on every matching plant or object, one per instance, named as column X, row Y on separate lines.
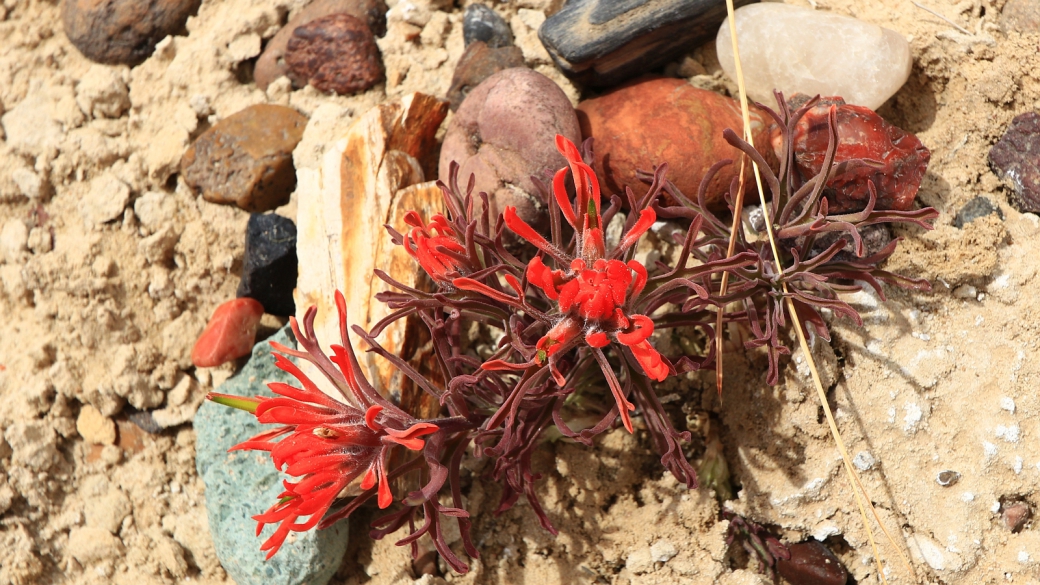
column 242, row 484
column 269, row 268
column 605, row 42
column 481, row 23
column 974, row 209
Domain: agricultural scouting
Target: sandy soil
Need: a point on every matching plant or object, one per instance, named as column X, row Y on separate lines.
column 104, row 316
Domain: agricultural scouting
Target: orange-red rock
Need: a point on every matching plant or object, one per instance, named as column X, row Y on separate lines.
column 229, row 334
column 654, row 121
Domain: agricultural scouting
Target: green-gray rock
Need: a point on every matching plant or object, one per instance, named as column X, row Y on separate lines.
column 242, row 484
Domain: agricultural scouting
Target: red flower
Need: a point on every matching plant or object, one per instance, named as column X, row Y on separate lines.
column 593, row 291
column 435, row 246
column 326, row 443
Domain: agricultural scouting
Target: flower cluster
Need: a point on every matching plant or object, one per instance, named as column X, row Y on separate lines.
column 560, row 319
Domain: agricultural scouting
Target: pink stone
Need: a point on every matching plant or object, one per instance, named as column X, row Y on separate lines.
column 229, row 334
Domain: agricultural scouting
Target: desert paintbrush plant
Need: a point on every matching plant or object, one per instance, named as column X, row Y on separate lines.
column 575, row 319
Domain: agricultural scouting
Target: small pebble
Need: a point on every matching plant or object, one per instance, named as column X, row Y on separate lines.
column 795, row 49
column 504, row 133
column 246, row 158
column 271, row 64
column 862, row 134
column 144, row 420
column 481, row 23
column 965, row 291
column 229, row 334
column 478, row 62
column 1016, row 159
column 95, row 427
column 974, row 209
column 1015, row 515
column 335, row 53
column 811, row 563
column 605, row 42
column 664, row 120
column 947, row 478
column 269, row 268
column 123, row 32
column 864, row 461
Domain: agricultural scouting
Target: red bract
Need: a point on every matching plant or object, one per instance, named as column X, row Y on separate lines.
column 593, row 292
column 325, row 442
column 435, row 246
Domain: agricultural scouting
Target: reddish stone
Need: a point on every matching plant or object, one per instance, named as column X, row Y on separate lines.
column 334, row 53
column 656, row 121
column 271, row 64
column 862, row 134
column 229, row 334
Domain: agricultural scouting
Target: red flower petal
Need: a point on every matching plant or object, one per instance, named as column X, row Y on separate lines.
column 643, row 328
column 651, row 361
column 647, row 217
column 597, row 339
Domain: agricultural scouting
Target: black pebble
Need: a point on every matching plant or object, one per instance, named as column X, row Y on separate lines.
column 974, row 209
column 480, row 23
column 269, row 270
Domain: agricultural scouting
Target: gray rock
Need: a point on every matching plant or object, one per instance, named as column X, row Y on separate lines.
column 604, row 42
column 974, row 209
column 242, row 484
column 481, row 23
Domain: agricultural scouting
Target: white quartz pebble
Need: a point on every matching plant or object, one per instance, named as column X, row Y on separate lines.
column 795, row 49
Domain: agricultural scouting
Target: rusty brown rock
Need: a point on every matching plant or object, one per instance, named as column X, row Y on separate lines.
column 271, row 64
column 504, row 133
column 477, row 63
column 335, row 53
column 246, row 158
column 123, row 32
column 654, row 121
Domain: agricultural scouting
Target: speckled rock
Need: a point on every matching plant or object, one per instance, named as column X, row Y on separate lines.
column 242, row 484
column 246, row 158
column 504, row 132
column 478, row 62
column 481, row 23
column 656, row 121
column 271, row 64
column 123, row 31
column 1016, row 159
column 335, row 53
